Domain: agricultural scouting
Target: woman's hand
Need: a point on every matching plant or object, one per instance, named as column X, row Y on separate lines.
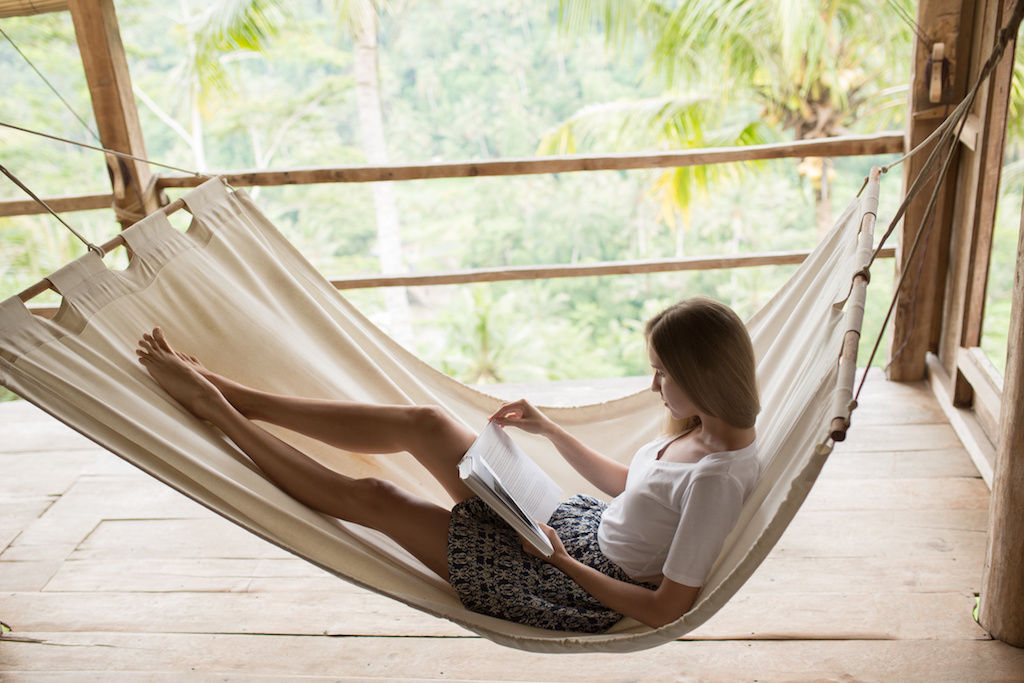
column 556, row 543
column 604, row 473
column 655, row 607
column 524, row 415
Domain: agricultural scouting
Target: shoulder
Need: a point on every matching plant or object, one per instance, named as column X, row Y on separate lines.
column 738, row 471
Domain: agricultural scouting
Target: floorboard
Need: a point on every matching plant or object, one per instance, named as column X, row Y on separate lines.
column 107, row 575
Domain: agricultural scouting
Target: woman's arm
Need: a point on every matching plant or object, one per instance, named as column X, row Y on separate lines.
column 604, row 473
column 654, row 608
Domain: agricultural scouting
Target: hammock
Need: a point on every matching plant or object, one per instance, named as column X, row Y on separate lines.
column 232, row 291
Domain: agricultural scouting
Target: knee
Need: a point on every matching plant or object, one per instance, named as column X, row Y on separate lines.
column 372, row 497
column 431, row 422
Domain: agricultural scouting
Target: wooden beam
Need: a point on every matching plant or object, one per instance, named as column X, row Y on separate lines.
column 854, row 145
column 113, row 103
column 521, row 272
column 987, row 386
column 580, row 270
column 1002, row 587
column 977, row 194
column 991, row 145
column 919, row 303
column 77, row 202
column 24, row 8
column 972, row 436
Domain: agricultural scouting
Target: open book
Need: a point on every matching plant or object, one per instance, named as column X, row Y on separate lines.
column 512, row 484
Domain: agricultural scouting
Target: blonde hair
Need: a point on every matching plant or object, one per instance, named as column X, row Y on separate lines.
column 706, row 350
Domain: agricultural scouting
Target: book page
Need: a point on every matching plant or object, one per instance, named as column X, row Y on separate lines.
column 520, row 476
column 482, row 480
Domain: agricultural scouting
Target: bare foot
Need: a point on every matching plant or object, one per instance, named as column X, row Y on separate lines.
column 180, row 376
column 235, row 393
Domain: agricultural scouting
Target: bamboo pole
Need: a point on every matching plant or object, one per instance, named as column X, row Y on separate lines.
column 853, row 145
column 1002, row 588
column 842, row 399
column 117, row 240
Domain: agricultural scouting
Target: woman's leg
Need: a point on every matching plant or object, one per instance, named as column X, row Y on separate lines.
column 432, row 436
column 421, row 527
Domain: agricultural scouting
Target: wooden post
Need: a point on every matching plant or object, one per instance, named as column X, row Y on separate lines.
column 918, row 313
column 977, row 192
column 1002, row 586
column 113, row 102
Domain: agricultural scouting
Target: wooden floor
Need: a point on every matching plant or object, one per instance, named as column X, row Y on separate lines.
column 108, row 575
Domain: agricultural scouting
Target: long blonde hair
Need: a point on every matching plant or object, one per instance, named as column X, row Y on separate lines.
column 706, row 350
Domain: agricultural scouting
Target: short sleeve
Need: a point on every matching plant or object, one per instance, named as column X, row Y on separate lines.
column 710, row 508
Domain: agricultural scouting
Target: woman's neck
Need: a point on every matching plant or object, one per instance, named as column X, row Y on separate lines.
column 722, row 436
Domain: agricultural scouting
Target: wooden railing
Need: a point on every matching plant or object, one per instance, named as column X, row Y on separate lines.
column 854, row 145
column 861, row 145
column 458, row 277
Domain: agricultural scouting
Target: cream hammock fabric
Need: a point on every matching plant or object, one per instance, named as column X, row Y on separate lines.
column 232, row 291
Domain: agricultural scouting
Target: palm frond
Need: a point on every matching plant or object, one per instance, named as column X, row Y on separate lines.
column 229, row 25
column 1015, row 120
column 622, row 21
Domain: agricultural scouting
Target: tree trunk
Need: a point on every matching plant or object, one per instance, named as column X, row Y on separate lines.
column 371, row 125
column 195, row 114
column 823, row 200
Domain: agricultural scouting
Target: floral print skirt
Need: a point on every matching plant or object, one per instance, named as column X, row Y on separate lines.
column 493, row 575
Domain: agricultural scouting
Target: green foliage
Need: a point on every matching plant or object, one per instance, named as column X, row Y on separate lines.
column 1003, row 259
column 461, row 80
column 805, row 62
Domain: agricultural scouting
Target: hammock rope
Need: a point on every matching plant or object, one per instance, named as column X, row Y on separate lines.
column 53, row 89
column 105, row 150
column 88, row 245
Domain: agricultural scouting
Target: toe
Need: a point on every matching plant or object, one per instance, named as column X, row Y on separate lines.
column 161, row 340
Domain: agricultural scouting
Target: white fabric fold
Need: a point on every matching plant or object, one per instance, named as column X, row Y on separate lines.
column 233, row 292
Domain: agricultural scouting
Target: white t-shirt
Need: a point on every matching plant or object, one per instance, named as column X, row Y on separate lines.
column 672, row 518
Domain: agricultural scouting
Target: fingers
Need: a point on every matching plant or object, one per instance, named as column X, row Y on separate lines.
column 552, row 535
column 511, row 412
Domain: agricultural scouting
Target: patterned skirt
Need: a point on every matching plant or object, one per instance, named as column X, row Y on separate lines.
column 493, row 575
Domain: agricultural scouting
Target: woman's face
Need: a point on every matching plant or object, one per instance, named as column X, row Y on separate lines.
column 672, row 395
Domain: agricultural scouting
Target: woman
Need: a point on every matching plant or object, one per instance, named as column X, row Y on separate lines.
column 645, row 555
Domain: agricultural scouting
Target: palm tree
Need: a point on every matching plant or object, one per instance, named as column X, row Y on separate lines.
column 363, row 19
column 814, row 68
column 230, row 25
column 672, row 121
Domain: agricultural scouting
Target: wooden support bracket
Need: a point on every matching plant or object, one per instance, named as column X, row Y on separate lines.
column 936, row 72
